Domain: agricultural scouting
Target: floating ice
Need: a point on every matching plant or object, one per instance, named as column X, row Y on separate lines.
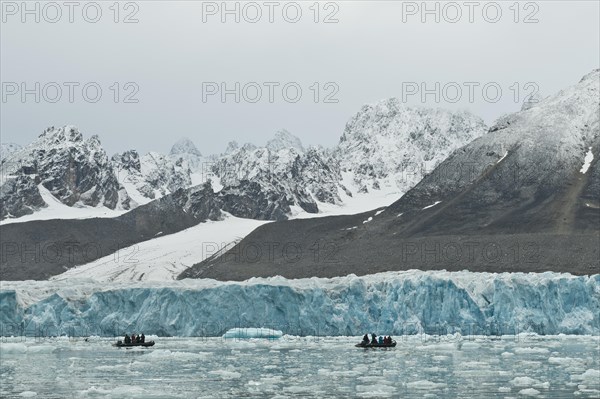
column 590, row 377
column 529, row 350
column 23, row 348
column 425, row 384
column 226, row 374
column 252, row 332
column 317, row 367
column 529, row 392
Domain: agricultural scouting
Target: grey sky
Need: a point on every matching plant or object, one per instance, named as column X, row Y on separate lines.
column 370, row 54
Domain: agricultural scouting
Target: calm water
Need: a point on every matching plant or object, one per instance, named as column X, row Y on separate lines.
column 445, row 367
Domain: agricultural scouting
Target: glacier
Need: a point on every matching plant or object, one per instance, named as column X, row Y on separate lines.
column 396, row 303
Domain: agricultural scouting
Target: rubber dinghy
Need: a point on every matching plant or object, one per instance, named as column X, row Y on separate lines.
column 370, row 345
column 120, row 344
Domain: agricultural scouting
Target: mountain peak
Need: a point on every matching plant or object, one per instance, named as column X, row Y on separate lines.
column 67, row 133
column 595, row 74
column 389, row 140
column 284, row 139
column 184, row 146
column 231, row 147
column 74, row 170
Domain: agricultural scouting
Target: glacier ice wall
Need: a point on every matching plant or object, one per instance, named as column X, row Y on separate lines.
column 386, row 303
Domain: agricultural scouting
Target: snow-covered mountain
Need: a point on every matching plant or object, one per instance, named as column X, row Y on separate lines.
column 185, row 149
column 279, row 180
column 528, row 171
column 385, row 149
column 75, row 171
column 523, row 197
column 390, row 144
column 152, row 175
column 295, row 176
column 285, row 140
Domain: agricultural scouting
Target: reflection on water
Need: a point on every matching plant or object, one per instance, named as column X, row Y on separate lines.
column 453, row 366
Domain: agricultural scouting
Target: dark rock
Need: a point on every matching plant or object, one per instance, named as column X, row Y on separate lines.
column 19, row 196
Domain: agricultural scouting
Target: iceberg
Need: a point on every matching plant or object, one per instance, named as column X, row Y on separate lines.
column 396, row 303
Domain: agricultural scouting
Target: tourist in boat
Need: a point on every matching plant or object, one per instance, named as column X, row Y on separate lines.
column 365, row 339
column 143, row 338
column 373, row 339
column 127, row 340
column 380, row 342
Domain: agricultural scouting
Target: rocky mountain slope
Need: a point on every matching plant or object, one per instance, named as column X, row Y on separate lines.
column 393, row 144
column 75, row 171
column 41, row 249
column 20, row 196
column 383, row 146
column 293, row 176
column 273, row 182
column 78, row 173
column 152, row 175
column 524, row 197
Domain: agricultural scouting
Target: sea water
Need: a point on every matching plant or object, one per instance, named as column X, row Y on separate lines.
column 451, row 366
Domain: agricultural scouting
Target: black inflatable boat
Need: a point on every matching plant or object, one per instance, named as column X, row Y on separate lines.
column 120, row 344
column 370, row 345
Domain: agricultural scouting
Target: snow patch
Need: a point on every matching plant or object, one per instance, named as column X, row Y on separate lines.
column 503, row 156
column 589, row 157
column 430, row 206
column 529, row 392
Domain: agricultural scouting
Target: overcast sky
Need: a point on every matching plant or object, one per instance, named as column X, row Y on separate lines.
column 179, row 52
